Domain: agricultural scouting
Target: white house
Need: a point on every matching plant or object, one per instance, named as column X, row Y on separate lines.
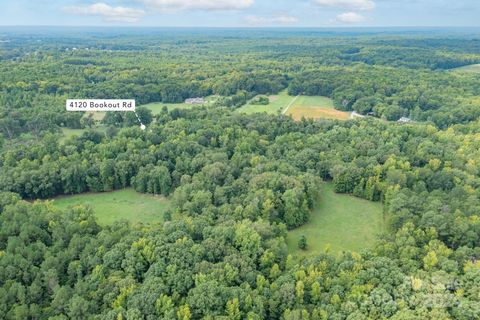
column 404, row 120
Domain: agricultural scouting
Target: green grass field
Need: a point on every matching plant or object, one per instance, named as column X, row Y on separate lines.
column 475, row 68
column 118, row 205
column 341, row 222
column 315, row 107
column 156, row 107
column 313, row 101
column 276, row 105
column 68, row 133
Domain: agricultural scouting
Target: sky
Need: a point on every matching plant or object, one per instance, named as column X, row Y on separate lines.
column 241, row 13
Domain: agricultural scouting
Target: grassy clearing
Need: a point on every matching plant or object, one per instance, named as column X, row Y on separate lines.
column 118, row 205
column 276, row 105
column 315, row 107
column 310, row 107
column 341, row 222
column 474, row 68
column 156, row 107
column 97, row 116
column 68, row 133
column 316, row 113
column 314, row 101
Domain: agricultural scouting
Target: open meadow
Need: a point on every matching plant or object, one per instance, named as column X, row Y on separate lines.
column 277, row 104
column 340, row 222
column 126, row 204
column 309, row 107
column 315, row 107
column 68, row 133
column 156, row 107
column 474, row 68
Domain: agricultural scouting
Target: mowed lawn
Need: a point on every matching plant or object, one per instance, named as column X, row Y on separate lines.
column 474, row 68
column 277, row 104
column 340, row 222
column 156, row 107
column 315, row 107
column 126, row 204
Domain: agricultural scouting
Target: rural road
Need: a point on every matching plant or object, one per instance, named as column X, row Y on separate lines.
column 289, row 105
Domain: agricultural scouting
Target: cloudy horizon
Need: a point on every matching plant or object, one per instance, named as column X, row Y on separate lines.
column 241, row 13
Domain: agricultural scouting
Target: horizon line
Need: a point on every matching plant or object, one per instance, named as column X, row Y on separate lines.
column 240, row 27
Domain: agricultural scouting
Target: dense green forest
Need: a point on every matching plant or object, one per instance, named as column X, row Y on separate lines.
column 239, row 183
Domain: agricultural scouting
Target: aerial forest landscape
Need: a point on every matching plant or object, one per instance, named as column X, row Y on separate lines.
column 270, row 169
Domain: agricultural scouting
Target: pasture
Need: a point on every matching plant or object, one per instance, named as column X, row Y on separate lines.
column 97, row 116
column 156, row 107
column 277, row 104
column 126, row 204
column 473, row 68
column 315, row 107
column 339, row 222
column 68, row 133
column 309, row 107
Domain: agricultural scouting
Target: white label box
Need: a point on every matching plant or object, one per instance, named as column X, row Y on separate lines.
column 100, row 105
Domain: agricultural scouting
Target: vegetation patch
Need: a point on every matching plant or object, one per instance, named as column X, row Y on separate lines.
column 298, row 113
column 314, row 101
column 156, row 107
column 315, row 107
column 339, row 222
column 277, row 103
column 96, row 116
column 126, row 204
column 68, row 133
column 474, row 68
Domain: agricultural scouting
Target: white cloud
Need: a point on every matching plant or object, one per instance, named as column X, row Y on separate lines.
column 347, row 4
column 109, row 13
column 207, row 5
column 350, row 17
column 262, row 20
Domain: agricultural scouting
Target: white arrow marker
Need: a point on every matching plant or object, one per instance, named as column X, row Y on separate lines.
column 142, row 126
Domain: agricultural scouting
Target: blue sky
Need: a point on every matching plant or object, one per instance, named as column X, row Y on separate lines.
column 241, row 13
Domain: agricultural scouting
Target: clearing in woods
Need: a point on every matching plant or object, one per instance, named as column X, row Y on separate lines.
column 340, row 222
column 473, row 68
column 277, row 104
column 315, row 107
column 156, row 107
column 309, row 107
column 68, row 133
column 97, row 116
column 126, row 204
